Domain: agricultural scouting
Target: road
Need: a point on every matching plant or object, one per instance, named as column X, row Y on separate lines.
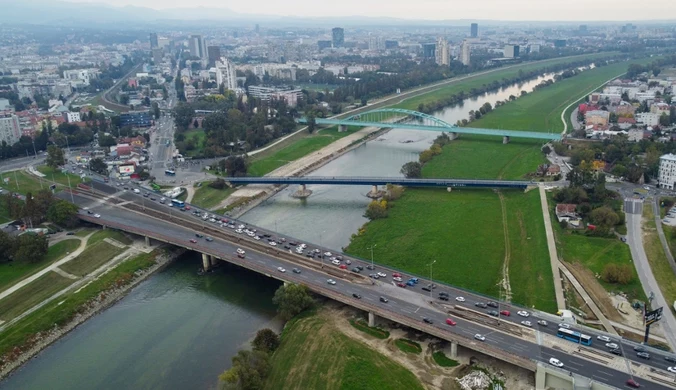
column 105, row 97
column 633, row 211
column 412, row 302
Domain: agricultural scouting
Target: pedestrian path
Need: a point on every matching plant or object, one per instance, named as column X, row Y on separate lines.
column 551, row 246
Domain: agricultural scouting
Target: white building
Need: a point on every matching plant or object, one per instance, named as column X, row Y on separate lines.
column 226, row 74
column 10, row 131
column 197, row 46
column 648, row 118
column 441, row 53
column 667, row 173
column 71, row 116
column 511, row 51
column 466, row 53
column 79, row 76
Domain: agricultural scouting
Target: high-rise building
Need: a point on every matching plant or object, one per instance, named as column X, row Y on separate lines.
column 10, row 131
column 214, row 54
column 197, row 46
column 153, row 41
column 376, row 43
column 428, row 50
column 158, row 54
column 163, row 43
column 667, row 172
column 323, row 44
column 465, row 53
column 338, row 36
column 511, row 51
column 226, row 74
column 474, row 30
column 441, row 54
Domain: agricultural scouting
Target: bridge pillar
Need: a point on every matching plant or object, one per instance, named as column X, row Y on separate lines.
column 342, row 128
column 454, row 350
column 213, row 260
column 148, row 242
column 375, row 193
column 302, row 192
column 540, row 378
column 453, row 135
column 449, row 189
column 372, row 319
column 505, row 139
column 206, row 263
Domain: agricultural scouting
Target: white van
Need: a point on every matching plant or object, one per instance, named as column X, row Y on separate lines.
column 136, row 191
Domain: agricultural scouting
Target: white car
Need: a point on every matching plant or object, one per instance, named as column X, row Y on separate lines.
column 542, row 322
column 240, row 251
column 212, row 220
column 251, row 234
column 382, row 274
column 460, row 299
column 327, row 253
column 240, row 231
column 331, row 281
column 555, row 362
column 281, row 269
column 303, row 245
column 97, row 215
column 605, row 339
column 671, row 369
column 480, row 337
column 564, row 325
column 335, row 262
column 523, row 313
column 257, row 238
column 273, row 243
column 526, row 323
column 396, row 279
column 612, row 346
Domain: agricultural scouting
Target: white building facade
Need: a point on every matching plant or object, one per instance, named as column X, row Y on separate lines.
column 10, row 131
column 226, row 74
column 441, row 53
column 465, row 53
column 667, row 172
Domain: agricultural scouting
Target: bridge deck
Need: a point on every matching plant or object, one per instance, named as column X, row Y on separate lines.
column 381, row 181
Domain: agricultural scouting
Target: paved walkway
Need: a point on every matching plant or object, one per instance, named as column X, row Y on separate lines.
column 551, row 245
column 191, row 193
column 563, row 113
column 30, row 279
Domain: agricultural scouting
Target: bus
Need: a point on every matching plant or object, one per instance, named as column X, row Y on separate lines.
column 170, row 172
column 178, row 203
column 574, row 336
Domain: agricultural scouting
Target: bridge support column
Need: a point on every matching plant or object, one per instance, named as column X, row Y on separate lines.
column 302, row 192
column 454, row 350
column 213, row 260
column 206, row 262
column 505, row 139
column 453, row 135
column 372, row 319
column 148, row 242
column 342, row 128
column 449, row 189
column 375, row 193
column 540, row 378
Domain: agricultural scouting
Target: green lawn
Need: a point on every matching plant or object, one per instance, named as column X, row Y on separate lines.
column 91, row 258
column 108, row 233
column 296, row 150
column 207, row 197
column 408, row 346
column 477, row 81
column 658, row 260
column 441, row 359
column 32, row 294
column 199, row 136
column 315, row 355
column 55, row 175
column 12, row 272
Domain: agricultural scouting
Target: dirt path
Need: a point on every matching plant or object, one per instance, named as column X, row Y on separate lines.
column 191, row 193
column 508, row 251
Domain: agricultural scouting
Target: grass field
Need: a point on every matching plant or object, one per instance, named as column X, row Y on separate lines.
column 4, row 213
column 294, row 151
column 12, row 272
column 315, row 355
column 61, row 310
column 102, row 234
column 441, row 359
column 207, row 197
column 657, row 259
column 408, row 346
column 199, row 136
column 94, row 256
column 31, row 294
column 55, row 175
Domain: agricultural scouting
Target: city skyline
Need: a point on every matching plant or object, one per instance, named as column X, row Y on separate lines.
column 519, row 10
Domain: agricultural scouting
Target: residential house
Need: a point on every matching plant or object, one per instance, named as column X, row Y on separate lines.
column 553, row 170
column 567, row 212
column 597, row 117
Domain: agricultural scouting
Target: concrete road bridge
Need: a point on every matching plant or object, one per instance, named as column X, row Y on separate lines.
column 530, row 347
column 398, row 118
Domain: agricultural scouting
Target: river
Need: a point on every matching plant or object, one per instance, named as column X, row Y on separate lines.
column 176, row 330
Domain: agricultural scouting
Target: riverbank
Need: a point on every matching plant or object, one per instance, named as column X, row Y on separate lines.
column 91, row 300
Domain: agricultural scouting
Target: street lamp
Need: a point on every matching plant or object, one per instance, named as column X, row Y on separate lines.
column 431, row 264
column 372, row 246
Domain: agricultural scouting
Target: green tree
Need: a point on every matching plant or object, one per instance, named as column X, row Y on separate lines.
column 604, row 216
column 248, row 372
column 183, row 114
column 412, row 169
column 376, row 210
column 291, row 300
column 63, row 213
column 620, row 274
column 156, row 109
column 106, row 140
column 55, row 157
column 236, row 166
column 7, row 247
column 664, row 119
column 311, row 122
column 266, row 340
column 99, row 166
column 31, row 248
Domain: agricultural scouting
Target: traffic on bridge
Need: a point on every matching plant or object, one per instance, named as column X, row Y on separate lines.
column 358, row 181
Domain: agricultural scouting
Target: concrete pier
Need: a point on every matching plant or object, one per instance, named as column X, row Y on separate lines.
column 372, row 319
column 206, row 262
column 213, row 260
column 148, row 242
column 375, row 193
column 342, row 128
column 453, row 135
column 505, row 139
column 302, row 192
column 454, row 350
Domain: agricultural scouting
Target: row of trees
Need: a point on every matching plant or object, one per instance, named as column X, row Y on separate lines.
column 26, row 248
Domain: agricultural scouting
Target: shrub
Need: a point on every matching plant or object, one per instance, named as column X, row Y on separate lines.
column 620, row 274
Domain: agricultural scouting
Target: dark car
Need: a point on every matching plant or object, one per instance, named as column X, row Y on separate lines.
column 359, row 267
column 296, row 271
column 70, row 233
column 146, row 195
column 355, row 270
column 427, row 320
column 356, row 296
column 371, row 267
column 198, row 235
column 426, row 289
column 443, row 298
column 443, row 294
column 493, row 313
column 383, row 299
column 616, row 351
column 643, row 355
column 481, row 305
column 152, row 198
column 492, row 304
column 310, row 255
column 670, row 359
column 639, row 348
column 90, row 212
column 209, row 239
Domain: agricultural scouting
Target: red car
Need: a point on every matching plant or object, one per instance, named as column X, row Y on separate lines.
column 396, row 275
column 633, row 383
column 193, row 240
column 402, row 285
column 187, row 207
column 505, row 313
column 343, row 266
column 450, row 322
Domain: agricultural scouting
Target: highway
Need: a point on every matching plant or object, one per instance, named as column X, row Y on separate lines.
column 411, row 302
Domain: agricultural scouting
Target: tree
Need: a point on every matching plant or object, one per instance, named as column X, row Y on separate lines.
column 99, row 166
column 55, row 157
column 218, row 184
column 266, row 340
column 235, row 166
column 620, row 274
column 412, row 169
column 546, row 150
column 248, row 372
column 291, row 300
column 376, row 210
column 664, row 119
column 31, row 248
column 156, row 110
column 604, row 216
column 63, row 213
column 311, row 122
column 106, row 140
column 7, row 247
column 183, row 114
column 195, row 124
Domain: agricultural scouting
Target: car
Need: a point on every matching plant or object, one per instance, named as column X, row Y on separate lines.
column 443, row 294
column 443, row 298
column 505, row 313
column 564, row 325
column 410, row 283
column 523, row 313
column 90, row 212
column 382, row 274
column 396, row 275
column 348, row 261
column 643, row 355
column 480, row 337
column 402, row 285
column 147, row 194
column 153, row 198
column 605, row 339
column 396, row 279
column 633, row 383
column 374, row 276
column 257, row 238
column 481, row 305
column 240, row 250
column 371, row 267
column 639, row 348
column 198, row 235
column 493, row 313
column 209, row 239
column 616, row 352
column 415, row 280
column 383, row 299
column 193, row 240
column 328, row 254
column 137, row 191
column 240, row 255
column 460, row 299
column 670, row 359
column 555, row 362
column 356, row 296
column 273, row 243
column 343, row 266
column 355, row 270
column 331, row 281
column 526, row 323
column 542, row 322
column 450, row 322
column 427, row 321
column 335, row 262
column 97, row 215
column 281, row 269
column 426, row 289
column 492, row 304
column 70, row 233
column 612, row 346
column 671, row 369
column 296, row 271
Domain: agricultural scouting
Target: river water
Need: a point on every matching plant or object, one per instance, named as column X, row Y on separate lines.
column 178, row 330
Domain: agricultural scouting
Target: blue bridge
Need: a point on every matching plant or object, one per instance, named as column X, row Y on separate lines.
column 408, row 119
column 379, row 181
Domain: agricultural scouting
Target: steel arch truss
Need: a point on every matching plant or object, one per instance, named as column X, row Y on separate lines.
column 427, row 119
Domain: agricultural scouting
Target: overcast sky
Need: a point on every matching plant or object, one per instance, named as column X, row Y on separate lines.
column 569, row 10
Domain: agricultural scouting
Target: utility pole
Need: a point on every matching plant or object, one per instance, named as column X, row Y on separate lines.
column 372, row 246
